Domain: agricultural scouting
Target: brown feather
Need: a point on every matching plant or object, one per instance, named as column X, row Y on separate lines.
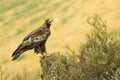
column 35, row 40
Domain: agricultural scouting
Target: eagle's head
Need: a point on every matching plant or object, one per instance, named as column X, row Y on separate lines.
column 48, row 22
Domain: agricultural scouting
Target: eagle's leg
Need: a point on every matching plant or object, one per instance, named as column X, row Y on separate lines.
column 36, row 50
column 43, row 50
column 40, row 49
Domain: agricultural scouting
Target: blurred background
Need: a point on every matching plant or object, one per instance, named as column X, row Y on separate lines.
column 19, row 17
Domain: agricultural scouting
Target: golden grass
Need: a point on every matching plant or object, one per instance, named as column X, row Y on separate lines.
column 18, row 18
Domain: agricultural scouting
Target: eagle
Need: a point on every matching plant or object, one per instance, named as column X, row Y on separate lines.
column 35, row 40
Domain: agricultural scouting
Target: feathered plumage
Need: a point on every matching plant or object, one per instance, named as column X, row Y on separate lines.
column 35, row 40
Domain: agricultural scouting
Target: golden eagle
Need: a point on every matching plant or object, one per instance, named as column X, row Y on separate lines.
column 35, row 40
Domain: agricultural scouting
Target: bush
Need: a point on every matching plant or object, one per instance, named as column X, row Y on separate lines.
column 101, row 53
column 98, row 58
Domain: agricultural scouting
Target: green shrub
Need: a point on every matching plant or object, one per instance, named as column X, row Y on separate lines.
column 98, row 58
column 100, row 55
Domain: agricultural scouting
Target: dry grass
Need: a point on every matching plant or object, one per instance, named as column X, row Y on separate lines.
column 18, row 18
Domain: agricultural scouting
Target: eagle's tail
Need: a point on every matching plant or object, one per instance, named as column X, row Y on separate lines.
column 17, row 52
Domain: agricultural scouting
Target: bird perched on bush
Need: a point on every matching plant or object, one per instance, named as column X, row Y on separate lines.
column 35, row 40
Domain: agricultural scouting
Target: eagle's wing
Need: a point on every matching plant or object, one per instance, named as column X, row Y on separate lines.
column 39, row 30
column 33, row 39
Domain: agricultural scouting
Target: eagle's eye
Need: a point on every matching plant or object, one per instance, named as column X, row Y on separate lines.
column 48, row 21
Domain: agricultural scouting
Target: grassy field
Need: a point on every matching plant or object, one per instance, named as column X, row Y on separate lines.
column 18, row 18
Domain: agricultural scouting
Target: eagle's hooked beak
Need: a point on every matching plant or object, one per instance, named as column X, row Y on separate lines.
column 50, row 20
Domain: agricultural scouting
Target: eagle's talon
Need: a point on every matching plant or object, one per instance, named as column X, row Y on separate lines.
column 43, row 56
